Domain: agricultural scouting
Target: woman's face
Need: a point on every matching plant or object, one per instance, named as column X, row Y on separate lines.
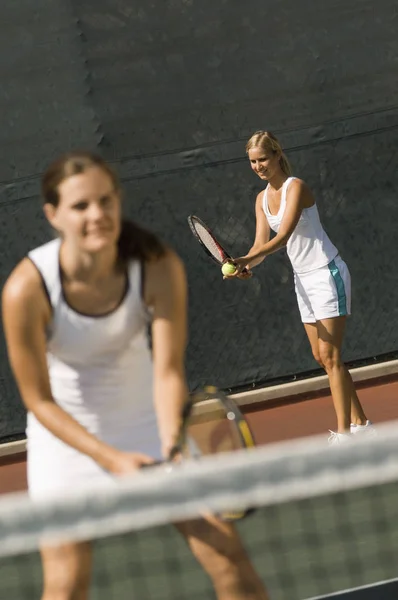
column 263, row 163
column 89, row 211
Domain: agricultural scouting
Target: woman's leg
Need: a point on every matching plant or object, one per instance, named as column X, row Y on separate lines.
column 345, row 399
column 218, row 548
column 311, row 330
column 66, row 571
column 357, row 415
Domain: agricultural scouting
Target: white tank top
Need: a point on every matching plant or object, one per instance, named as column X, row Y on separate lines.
column 309, row 246
column 100, row 367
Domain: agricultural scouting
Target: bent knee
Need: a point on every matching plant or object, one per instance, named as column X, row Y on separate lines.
column 317, row 357
column 210, row 542
column 66, row 586
column 330, row 358
column 67, row 572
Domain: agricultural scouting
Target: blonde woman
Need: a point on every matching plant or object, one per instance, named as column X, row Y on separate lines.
column 322, row 279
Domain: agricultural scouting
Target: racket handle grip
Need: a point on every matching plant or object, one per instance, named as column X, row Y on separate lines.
column 154, row 464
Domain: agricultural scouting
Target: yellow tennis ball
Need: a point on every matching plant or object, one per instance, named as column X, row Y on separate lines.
column 228, row 268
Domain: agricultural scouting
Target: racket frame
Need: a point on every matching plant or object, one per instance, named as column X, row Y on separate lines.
column 233, row 415
column 227, row 257
column 191, row 222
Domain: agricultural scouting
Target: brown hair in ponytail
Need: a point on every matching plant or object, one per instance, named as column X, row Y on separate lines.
column 134, row 241
column 270, row 144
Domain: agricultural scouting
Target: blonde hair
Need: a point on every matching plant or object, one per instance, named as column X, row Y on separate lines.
column 265, row 140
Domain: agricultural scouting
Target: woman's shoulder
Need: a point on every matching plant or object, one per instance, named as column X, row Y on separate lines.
column 301, row 189
column 164, row 274
column 24, row 284
column 166, row 263
column 260, row 197
column 296, row 182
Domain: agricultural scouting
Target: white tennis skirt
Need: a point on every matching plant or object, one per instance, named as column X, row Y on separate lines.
column 324, row 293
column 55, row 469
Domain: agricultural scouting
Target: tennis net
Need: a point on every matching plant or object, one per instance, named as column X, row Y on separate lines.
column 326, row 520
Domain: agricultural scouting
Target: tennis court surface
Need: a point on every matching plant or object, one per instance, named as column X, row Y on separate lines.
column 327, row 521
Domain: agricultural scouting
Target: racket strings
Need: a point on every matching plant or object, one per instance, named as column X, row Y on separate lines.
column 207, row 239
column 216, row 434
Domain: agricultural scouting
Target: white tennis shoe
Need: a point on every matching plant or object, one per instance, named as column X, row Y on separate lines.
column 368, row 429
column 338, row 438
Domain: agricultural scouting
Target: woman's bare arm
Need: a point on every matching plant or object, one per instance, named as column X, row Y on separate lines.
column 262, row 230
column 166, row 293
column 26, row 315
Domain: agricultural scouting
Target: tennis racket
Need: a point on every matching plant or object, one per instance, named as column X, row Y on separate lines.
column 211, row 424
column 209, row 242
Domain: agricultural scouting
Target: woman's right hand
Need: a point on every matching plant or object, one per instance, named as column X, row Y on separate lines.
column 245, row 274
column 123, row 463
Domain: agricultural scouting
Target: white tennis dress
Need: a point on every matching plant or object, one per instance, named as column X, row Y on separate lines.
column 322, row 279
column 100, row 372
